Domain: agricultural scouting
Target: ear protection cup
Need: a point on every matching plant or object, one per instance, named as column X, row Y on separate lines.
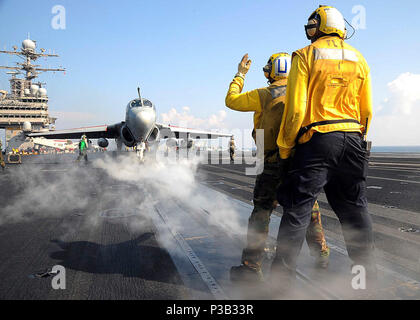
column 311, row 28
column 329, row 21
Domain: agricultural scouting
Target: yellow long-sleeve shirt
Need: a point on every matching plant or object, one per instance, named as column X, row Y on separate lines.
column 267, row 105
column 328, row 80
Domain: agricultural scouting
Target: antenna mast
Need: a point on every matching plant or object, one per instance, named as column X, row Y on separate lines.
column 28, row 54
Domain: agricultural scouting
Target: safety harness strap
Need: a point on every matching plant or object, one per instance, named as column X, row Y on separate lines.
column 305, row 129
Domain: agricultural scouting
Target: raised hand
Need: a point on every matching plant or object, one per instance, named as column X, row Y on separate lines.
column 244, row 65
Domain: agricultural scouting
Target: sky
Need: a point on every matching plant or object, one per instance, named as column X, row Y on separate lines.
column 183, row 55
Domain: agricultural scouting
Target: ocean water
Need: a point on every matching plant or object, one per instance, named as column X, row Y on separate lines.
column 378, row 149
column 397, row 149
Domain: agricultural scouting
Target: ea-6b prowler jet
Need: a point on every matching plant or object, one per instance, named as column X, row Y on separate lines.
column 139, row 126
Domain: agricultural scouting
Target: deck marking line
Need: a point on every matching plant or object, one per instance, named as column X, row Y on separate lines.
column 208, row 279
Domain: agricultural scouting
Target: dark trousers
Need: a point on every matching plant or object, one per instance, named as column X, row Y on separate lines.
column 264, row 200
column 336, row 162
column 82, row 154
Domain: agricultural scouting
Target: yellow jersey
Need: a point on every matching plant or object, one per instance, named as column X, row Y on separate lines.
column 267, row 104
column 328, row 80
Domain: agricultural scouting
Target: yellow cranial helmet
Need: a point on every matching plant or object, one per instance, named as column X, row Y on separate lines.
column 278, row 66
column 328, row 20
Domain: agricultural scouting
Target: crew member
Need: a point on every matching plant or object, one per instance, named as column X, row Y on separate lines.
column 2, row 164
column 83, row 146
column 232, row 149
column 140, row 149
column 326, row 117
column 268, row 104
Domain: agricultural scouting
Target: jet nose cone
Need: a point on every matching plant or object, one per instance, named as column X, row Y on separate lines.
column 141, row 121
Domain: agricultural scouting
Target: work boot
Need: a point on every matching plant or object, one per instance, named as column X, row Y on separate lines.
column 321, row 257
column 322, row 260
column 281, row 281
column 244, row 273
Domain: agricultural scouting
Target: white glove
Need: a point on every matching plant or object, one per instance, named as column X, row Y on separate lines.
column 243, row 66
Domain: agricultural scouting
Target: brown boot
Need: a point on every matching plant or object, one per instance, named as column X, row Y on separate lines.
column 246, row 274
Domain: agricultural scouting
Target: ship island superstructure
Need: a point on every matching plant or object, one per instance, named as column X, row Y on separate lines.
column 26, row 105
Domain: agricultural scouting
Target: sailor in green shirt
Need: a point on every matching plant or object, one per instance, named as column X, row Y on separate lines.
column 83, row 146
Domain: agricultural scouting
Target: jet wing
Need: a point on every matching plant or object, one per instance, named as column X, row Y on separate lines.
column 95, row 132
column 168, row 131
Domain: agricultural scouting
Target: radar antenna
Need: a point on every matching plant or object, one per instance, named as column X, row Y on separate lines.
column 28, row 54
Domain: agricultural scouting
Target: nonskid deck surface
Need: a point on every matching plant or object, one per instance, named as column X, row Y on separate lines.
column 135, row 237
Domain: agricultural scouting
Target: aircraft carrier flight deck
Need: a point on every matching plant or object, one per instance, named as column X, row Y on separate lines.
column 172, row 231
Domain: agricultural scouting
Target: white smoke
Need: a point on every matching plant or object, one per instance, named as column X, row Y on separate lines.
column 110, row 183
column 163, row 181
column 37, row 197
